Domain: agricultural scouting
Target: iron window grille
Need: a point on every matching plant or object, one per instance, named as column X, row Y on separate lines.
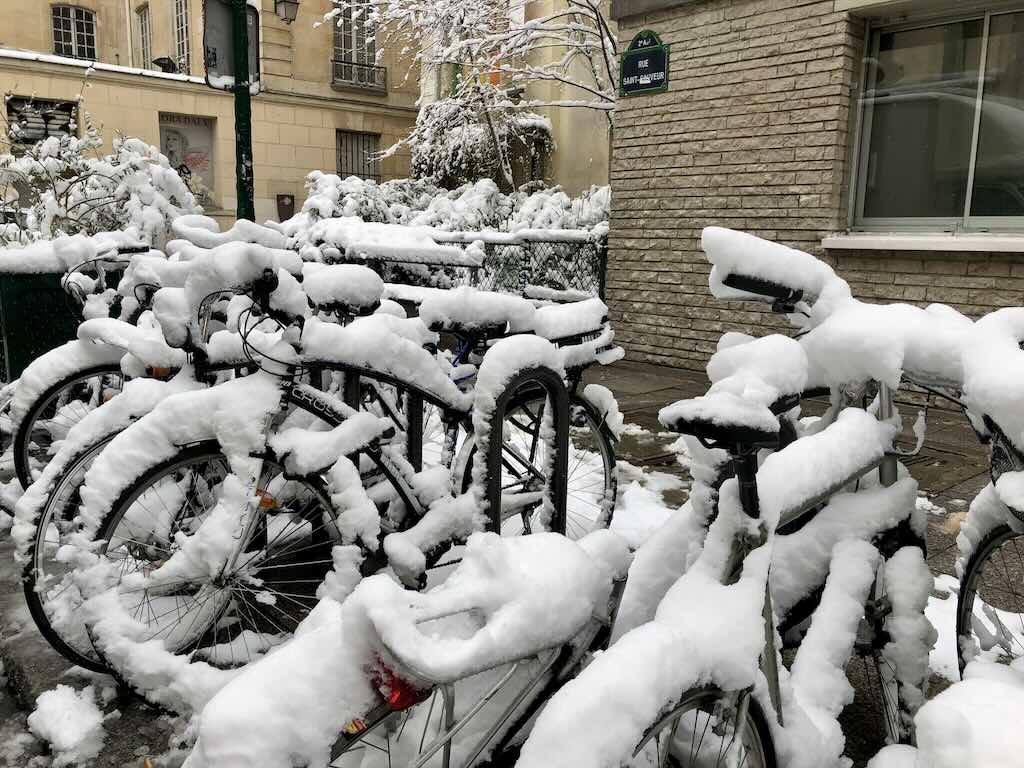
column 182, row 44
column 145, row 36
column 74, row 32
column 38, row 119
column 358, row 155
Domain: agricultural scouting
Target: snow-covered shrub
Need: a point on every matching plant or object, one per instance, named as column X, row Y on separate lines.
column 64, row 185
column 469, row 208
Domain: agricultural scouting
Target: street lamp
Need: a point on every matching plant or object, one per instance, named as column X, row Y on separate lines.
column 286, row 10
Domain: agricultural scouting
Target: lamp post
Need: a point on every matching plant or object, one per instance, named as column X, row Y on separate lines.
column 243, row 113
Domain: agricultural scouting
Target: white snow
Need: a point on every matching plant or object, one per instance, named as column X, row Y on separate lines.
column 71, row 722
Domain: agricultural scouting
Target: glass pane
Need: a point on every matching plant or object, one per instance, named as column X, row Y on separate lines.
column 921, row 100
column 999, row 171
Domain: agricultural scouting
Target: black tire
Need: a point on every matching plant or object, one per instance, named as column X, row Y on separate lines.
column 591, row 499
column 61, row 505
column 999, row 578
column 25, row 434
column 750, row 744
column 262, row 615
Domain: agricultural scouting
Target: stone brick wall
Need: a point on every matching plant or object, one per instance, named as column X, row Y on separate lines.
column 753, row 134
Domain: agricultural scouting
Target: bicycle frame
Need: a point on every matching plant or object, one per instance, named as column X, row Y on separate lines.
column 744, row 460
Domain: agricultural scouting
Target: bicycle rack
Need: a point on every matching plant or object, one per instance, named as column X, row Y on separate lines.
column 551, row 383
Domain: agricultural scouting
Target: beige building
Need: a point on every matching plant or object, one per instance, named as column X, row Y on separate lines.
column 138, row 68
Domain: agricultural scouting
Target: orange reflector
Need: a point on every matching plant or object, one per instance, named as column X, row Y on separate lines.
column 266, row 500
column 354, row 727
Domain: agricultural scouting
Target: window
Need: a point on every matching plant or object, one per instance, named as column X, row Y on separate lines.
column 145, row 37
column 182, row 46
column 357, row 155
column 355, row 51
column 30, row 120
column 942, row 126
column 74, row 32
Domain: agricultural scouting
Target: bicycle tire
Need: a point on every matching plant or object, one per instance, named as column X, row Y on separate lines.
column 189, row 455
column 755, row 729
column 26, row 427
column 83, row 655
column 971, row 581
column 605, row 445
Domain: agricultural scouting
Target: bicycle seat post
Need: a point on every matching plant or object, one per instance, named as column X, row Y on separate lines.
column 744, row 461
column 887, row 470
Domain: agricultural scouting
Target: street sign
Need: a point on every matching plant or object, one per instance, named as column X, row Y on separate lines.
column 643, row 68
column 219, row 48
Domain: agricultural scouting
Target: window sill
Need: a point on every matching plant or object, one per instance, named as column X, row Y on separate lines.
column 924, row 242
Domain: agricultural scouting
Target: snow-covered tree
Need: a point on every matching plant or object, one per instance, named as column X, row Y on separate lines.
column 454, row 142
column 495, row 58
column 63, row 185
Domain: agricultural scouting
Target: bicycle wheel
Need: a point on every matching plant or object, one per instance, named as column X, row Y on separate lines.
column 234, row 617
column 990, row 606
column 699, row 733
column 62, row 405
column 592, row 477
column 875, row 677
column 49, row 592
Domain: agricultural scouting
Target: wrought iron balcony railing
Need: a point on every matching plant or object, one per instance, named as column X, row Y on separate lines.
column 352, row 74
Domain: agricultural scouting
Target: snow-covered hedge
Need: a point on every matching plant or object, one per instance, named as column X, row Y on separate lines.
column 63, row 185
column 470, row 208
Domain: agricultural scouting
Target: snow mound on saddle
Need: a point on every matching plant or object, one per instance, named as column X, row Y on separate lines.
column 470, row 308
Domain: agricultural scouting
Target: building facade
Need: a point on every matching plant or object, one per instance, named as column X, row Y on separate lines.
column 137, row 68
column 883, row 136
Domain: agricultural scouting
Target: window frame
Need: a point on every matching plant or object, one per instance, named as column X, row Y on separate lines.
column 374, row 164
column 369, row 47
column 856, row 221
column 144, row 21
column 87, row 13
column 181, row 30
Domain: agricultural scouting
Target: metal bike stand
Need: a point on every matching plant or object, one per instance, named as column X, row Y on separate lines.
column 551, row 384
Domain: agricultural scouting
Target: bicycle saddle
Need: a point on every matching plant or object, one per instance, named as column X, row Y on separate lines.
column 348, row 289
column 753, row 381
column 467, row 309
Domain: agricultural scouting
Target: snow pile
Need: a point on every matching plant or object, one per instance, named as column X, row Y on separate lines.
column 971, row 724
column 71, row 722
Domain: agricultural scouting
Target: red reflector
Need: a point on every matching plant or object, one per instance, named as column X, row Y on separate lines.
column 397, row 692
